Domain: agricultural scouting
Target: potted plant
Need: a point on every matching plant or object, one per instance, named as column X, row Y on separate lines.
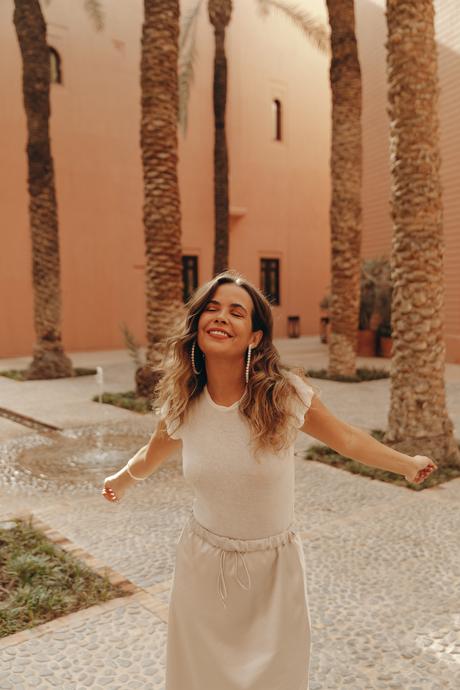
column 366, row 342
column 385, row 340
column 366, row 337
column 384, row 295
column 374, row 308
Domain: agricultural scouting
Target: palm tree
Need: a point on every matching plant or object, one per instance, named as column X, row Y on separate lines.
column 220, row 12
column 49, row 359
column 162, row 217
column 346, row 176
column 418, row 418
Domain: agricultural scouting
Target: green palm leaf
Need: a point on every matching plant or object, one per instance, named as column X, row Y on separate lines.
column 187, row 60
column 187, row 24
column 95, row 11
column 313, row 29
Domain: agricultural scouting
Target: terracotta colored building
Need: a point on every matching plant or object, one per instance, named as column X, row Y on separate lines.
column 278, row 117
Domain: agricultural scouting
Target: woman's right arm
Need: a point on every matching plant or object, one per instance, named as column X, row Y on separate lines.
column 142, row 464
column 149, row 457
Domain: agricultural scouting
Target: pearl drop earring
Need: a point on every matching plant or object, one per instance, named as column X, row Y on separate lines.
column 195, row 370
column 248, row 361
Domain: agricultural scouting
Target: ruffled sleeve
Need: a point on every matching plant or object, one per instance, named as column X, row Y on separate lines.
column 300, row 406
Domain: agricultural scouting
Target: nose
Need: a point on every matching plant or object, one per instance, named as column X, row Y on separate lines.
column 220, row 316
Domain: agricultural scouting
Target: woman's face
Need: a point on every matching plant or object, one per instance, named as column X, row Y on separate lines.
column 228, row 311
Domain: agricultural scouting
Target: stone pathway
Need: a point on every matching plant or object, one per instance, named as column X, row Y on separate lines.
column 383, row 562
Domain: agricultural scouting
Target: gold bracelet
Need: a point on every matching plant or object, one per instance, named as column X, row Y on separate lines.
column 138, row 479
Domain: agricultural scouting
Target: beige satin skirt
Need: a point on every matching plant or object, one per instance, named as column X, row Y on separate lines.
column 238, row 613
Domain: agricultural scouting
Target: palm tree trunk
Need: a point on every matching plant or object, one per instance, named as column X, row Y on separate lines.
column 49, row 359
column 162, row 216
column 220, row 12
column 346, row 175
column 418, row 418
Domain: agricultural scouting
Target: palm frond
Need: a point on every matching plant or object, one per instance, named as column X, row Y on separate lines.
column 96, row 12
column 187, row 24
column 133, row 347
column 187, row 59
column 313, row 29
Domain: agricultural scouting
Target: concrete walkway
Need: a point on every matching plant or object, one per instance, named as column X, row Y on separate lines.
column 383, row 561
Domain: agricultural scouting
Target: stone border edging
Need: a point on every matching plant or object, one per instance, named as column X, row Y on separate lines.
column 29, row 422
column 136, row 594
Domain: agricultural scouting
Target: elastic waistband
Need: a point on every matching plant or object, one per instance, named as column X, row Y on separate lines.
column 230, row 544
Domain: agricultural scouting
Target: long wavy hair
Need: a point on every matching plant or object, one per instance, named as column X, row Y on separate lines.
column 265, row 403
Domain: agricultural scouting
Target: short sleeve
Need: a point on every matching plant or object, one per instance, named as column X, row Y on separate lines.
column 300, row 406
column 174, row 430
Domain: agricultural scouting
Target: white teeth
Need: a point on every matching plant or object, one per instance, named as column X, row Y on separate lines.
column 220, row 333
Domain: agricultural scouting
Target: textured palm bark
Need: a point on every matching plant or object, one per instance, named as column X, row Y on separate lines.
column 162, row 216
column 418, row 419
column 49, row 359
column 346, row 176
column 220, row 12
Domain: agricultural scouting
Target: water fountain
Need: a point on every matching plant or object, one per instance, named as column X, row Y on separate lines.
column 72, row 459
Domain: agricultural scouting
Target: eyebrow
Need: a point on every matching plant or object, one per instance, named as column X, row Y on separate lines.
column 233, row 304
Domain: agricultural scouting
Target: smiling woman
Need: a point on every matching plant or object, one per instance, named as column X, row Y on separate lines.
column 227, row 331
column 227, row 398
column 225, row 394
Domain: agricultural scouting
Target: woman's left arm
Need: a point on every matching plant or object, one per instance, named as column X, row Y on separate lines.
column 356, row 444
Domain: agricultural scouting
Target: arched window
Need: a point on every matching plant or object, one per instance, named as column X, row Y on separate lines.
column 55, row 65
column 277, row 120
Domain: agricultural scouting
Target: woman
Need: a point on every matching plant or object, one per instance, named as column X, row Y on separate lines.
column 238, row 613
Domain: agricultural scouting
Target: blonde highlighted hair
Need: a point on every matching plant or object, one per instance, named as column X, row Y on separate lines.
column 266, row 402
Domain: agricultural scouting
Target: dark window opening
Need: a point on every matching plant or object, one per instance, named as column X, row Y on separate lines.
column 270, row 279
column 277, row 120
column 55, row 66
column 189, row 275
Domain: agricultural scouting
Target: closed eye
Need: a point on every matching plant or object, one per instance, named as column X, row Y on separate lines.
column 235, row 313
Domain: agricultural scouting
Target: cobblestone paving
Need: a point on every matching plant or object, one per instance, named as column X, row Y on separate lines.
column 383, row 566
column 121, row 648
column 383, row 586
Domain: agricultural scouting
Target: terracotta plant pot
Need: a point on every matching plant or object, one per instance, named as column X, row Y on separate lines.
column 386, row 346
column 366, row 343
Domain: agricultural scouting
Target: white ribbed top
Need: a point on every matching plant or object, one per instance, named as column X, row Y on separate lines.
column 235, row 496
column 223, row 408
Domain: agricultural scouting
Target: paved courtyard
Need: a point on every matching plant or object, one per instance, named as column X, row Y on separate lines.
column 383, row 562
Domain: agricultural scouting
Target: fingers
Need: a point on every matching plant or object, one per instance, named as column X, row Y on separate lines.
column 425, row 472
column 109, row 494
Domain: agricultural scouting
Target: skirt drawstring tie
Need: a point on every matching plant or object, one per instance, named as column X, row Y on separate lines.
column 240, row 547
column 222, row 588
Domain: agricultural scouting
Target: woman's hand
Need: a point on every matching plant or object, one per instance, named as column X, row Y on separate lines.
column 115, row 486
column 421, row 468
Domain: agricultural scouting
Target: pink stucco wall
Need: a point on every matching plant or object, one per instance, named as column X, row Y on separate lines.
column 279, row 192
column 284, row 187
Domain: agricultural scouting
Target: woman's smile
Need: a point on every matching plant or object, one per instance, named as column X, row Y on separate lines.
column 217, row 334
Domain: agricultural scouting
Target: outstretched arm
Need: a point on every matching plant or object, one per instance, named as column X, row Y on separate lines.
column 354, row 443
column 142, row 464
column 149, row 457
